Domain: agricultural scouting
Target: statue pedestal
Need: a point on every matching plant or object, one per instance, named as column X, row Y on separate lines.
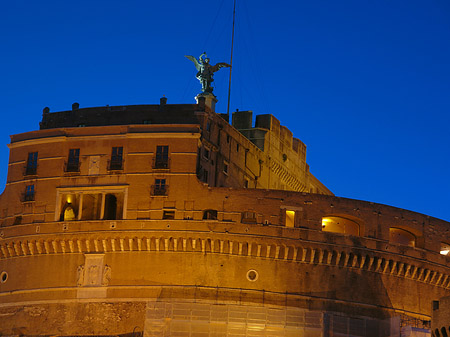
column 210, row 100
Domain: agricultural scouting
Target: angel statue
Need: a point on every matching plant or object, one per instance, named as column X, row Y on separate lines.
column 206, row 71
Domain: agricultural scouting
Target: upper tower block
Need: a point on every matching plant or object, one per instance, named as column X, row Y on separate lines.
column 239, row 155
column 122, row 115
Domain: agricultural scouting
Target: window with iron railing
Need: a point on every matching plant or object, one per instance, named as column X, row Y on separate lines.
column 29, row 193
column 160, row 187
column 116, row 162
column 161, row 160
column 73, row 162
column 31, row 168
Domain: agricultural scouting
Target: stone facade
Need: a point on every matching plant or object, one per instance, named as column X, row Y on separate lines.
column 441, row 317
column 111, row 226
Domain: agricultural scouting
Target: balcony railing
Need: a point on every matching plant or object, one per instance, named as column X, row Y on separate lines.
column 28, row 196
column 161, row 164
column 115, row 165
column 160, row 189
column 30, row 170
column 72, row 167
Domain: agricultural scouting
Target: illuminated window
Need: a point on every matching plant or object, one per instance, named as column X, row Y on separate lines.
column 337, row 224
column 31, row 167
column 91, row 205
column 69, row 207
column 402, row 237
column 290, row 218
column 445, row 248
column 69, row 213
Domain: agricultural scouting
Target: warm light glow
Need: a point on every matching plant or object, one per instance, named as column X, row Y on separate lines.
column 69, row 199
column 290, row 218
column 445, row 248
column 337, row 224
column 325, row 222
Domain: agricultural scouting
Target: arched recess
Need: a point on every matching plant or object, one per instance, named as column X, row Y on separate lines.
column 445, row 248
column 402, row 237
column 343, row 224
column 110, row 207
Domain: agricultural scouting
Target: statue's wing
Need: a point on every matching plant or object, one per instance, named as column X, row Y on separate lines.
column 220, row 65
column 193, row 59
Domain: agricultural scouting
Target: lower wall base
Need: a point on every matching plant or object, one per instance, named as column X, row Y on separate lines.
column 181, row 317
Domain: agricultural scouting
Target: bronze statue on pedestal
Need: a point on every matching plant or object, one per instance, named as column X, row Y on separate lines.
column 206, row 71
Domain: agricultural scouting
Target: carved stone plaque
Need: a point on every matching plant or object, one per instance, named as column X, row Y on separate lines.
column 94, row 165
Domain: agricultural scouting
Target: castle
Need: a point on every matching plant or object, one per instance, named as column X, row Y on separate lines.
column 167, row 220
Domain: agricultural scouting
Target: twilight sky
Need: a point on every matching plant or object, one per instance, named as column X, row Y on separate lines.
column 364, row 84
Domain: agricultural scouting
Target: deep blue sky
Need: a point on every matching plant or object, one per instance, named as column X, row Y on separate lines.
column 364, row 84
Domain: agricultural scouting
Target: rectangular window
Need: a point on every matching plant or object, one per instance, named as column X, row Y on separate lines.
column 29, row 193
column 160, row 187
column 162, row 157
column 225, row 167
column 31, row 167
column 210, row 214
column 168, row 215
column 116, row 162
column 290, row 218
column 73, row 163
column 205, row 176
column 249, row 217
column 206, row 153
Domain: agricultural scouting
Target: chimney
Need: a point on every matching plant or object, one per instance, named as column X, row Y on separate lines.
column 75, row 106
column 163, row 100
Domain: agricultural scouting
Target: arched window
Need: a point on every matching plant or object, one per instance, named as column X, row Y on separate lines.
column 69, row 213
column 338, row 224
column 402, row 237
column 110, row 207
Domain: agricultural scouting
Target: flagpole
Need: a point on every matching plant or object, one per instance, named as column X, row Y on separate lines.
column 231, row 60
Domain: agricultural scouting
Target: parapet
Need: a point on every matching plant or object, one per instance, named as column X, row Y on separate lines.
column 162, row 113
column 281, row 138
